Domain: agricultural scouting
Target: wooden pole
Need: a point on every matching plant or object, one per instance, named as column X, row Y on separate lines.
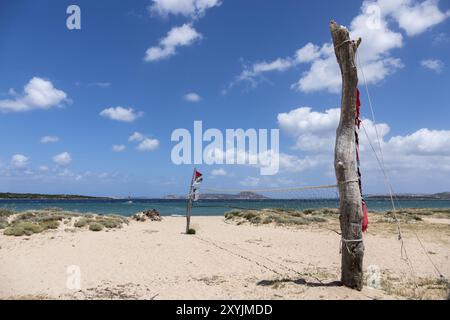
column 350, row 206
column 189, row 203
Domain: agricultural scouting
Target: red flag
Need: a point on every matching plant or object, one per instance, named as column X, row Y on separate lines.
column 198, row 177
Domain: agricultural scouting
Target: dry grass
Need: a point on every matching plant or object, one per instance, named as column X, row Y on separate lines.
column 421, row 289
column 97, row 223
column 281, row 216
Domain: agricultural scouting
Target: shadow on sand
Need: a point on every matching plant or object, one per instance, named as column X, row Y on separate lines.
column 300, row 281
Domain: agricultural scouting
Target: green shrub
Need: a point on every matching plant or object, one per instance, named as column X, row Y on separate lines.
column 280, row 216
column 232, row 213
column 110, row 223
column 316, row 219
column 95, row 226
column 250, row 215
column 23, row 228
column 81, row 223
column 3, row 224
column 50, row 224
column 27, row 215
column 6, row 212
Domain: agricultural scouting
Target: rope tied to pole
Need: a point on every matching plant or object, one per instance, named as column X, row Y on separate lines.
column 346, row 241
column 380, row 160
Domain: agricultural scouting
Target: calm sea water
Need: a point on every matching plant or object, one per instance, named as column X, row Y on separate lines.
column 203, row 207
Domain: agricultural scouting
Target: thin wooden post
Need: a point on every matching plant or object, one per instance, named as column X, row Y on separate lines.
column 350, row 207
column 189, row 203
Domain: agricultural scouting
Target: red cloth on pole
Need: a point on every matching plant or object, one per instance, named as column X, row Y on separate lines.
column 365, row 224
column 365, row 217
column 197, row 174
column 358, row 108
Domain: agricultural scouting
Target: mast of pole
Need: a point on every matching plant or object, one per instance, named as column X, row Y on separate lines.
column 189, row 202
column 345, row 163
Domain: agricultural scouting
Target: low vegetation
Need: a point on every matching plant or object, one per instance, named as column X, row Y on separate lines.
column 30, row 222
column 378, row 221
column 281, row 216
column 97, row 223
column 95, row 226
column 411, row 215
column 421, row 289
column 4, row 216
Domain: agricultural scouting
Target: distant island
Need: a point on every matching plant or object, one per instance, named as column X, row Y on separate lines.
column 206, row 196
column 435, row 196
column 223, row 196
column 38, row 196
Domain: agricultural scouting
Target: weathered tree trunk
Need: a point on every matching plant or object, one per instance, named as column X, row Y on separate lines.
column 350, row 207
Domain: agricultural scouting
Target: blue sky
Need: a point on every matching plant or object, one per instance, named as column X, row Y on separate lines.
column 245, row 64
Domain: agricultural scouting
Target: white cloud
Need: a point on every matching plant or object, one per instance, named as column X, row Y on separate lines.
column 62, row 159
column 422, row 142
column 145, row 143
column 315, row 133
column 188, row 8
column 379, row 40
column 102, row 85
column 287, row 163
column 49, row 139
column 441, row 38
column 148, row 144
column 312, row 129
column 19, row 161
column 250, row 182
column 218, row 172
column 415, row 17
column 309, row 52
column 136, row 136
column 184, row 35
column 66, row 173
column 304, row 120
column 37, row 94
column 253, row 73
column 43, row 168
column 121, row 114
column 192, row 97
column 433, row 64
column 118, row 148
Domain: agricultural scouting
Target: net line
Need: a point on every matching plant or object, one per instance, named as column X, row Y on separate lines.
column 290, row 199
column 274, row 190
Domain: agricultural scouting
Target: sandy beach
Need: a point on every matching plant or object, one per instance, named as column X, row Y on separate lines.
column 224, row 260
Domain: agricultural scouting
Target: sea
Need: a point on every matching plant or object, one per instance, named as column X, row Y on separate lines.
column 166, row 207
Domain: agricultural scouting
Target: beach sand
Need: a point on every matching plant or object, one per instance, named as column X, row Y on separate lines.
column 156, row 260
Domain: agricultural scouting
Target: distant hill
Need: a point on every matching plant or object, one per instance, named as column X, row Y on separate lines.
column 443, row 195
column 222, row 196
column 434, row 196
column 174, row 197
column 38, row 196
